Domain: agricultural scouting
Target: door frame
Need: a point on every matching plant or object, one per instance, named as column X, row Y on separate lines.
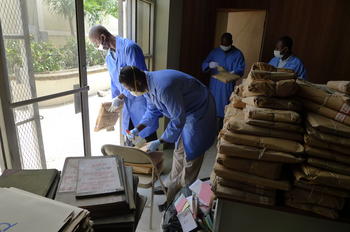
column 5, row 94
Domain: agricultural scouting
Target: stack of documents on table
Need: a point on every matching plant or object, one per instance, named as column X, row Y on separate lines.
column 98, row 184
column 262, row 134
column 43, row 182
column 22, row 211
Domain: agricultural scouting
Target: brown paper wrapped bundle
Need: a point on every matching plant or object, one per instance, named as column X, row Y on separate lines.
column 341, row 86
column 255, row 153
column 229, row 174
column 237, row 125
column 323, row 211
column 269, row 143
column 106, row 119
column 328, row 137
column 236, row 194
column 322, row 177
column 287, row 70
column 236, row 101
column 328, row 125
column 256, row 189
column 329, row 165
column 302, row 196
column 255, row 167
column 323, row 189
column 326, row 154
column 273, row 103
column 273, row 76
column 262, row 66
column 327, row 112
column 271, row 115
column 276, row 125
column 283, row 88
column 314, row 142
column 324, row 96
column 225, row 76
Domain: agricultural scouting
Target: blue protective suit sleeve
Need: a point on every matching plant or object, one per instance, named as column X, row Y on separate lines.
column 205, row 64
column 239, row 66
column 176, row 109
column 300, row 70
column 151, row 113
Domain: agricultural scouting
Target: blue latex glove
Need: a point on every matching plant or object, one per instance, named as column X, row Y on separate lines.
column 132, row 134
column 153, row 146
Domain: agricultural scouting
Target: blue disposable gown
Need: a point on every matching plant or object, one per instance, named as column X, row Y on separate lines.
column 293, row 63
column 232, row 60
column 189, row 106
column 129, row 53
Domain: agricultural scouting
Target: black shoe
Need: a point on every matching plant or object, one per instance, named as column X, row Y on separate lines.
column 162, row 207
column 159, row 190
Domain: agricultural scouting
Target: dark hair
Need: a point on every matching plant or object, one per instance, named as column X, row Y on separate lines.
column 287, row 42
column 227, row 35
column 127, row 78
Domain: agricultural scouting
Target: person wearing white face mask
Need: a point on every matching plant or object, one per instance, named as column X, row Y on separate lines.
column 230, row 58
column 283, row 57
column 124, row 52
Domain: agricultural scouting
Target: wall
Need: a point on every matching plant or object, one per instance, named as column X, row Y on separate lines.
column 319, row 28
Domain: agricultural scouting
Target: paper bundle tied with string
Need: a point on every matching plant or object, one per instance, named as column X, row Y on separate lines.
column 106, row 119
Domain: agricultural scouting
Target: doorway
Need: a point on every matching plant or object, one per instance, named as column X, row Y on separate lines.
column 247, row 29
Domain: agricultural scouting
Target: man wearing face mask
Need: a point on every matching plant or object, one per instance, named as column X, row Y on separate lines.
column 285, row 59
column 123, row 52
column 191, row 110
column 230, row 58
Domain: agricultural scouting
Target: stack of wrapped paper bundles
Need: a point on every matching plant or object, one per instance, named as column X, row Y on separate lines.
column 261, row 133
column 323, row 183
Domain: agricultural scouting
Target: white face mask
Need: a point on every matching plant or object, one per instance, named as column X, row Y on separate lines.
column 225, row 48
column 277, row 54
column 100, row 47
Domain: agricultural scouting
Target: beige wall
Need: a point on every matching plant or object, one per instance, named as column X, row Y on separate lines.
column 247, row 28
column 161, row 34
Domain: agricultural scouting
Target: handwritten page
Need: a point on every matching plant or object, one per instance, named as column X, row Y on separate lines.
column 186, row 220
column 70, row 176
column 98, row 176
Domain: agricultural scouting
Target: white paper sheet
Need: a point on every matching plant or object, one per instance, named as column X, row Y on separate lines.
column 186, row 220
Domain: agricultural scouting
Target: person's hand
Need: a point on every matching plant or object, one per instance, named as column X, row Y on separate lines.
column 132, row 134
column 116, row 103
column 153, row 146
column 213, row 64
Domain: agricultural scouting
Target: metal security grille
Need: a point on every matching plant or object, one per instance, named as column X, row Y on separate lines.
column 21, row 83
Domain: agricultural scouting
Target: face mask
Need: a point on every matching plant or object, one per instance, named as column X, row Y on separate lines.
column 277, row 54
column 225, row 48
column 100, row 47
column 135, row 92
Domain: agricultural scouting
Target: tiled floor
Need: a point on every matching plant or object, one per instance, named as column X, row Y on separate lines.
column 205, row 171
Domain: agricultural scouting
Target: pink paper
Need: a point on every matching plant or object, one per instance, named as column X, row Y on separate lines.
column 180, row 203
column 205, row 193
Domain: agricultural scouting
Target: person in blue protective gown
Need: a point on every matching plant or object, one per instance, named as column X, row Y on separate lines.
column 285, row 59
column 123, row 52
column 230, row 58
column 191, row 110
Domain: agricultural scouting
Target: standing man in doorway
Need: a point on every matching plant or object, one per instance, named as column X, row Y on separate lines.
column 123, row 52
column 230, row 58
column 191, row 110
column 285, row 59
